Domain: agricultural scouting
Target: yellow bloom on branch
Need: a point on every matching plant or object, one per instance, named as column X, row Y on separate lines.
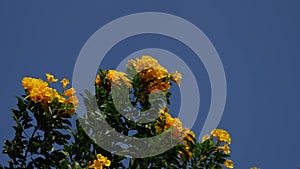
column 72, row 100
column 39, row 92
column 98, row 80
column 176, row 77
column 29, row 83
column 70, row 92
column 190, row 136
column 178, row 132
column 221, row 135
column 228, row 164
column 150, row 70
column 100, row 162
column 116, row 77
column 225, row 148
column 50, row 78
column 159, row 79
column 145, row 63
column 60, row 99
column 65, row 82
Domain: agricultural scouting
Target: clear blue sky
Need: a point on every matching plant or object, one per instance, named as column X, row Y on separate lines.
column 258, row 43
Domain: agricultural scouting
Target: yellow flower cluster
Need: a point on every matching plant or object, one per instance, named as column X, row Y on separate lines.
column 100, row 162
column 146, row 62
column 40, row 92
column 169, row 121
column 221, row 135
column 158, row 78
column 72, row 99
column 115, row 77
column 190, row 135
column 178, row 132
column 150, row 69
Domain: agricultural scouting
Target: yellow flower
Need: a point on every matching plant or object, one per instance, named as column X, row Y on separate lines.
column 254, row 168
column 159, row 85
column 158, row 129
column 50, row 78
column 221, row 135
column 190, row 154
column 154, row 73
column 98, row 80
column 100, row 162
column 65, row 82
column 116, row 77
column 190, row 135
column 176, row 77
column 159, row 79
column 72, row 100
column 178, row 132
column 29, row 83
column 146, row 62
column 169, row 120
column 187, row 150
column 96, row 165
column 225, row 148
column 205, row 137
column 228, row 164
column 151, row 71
column 70, row 92
column 60, row 99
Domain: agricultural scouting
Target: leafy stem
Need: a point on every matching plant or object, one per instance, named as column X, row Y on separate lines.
column 27, row 149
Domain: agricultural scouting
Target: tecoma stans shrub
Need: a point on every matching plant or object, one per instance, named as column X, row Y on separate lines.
column 50, row 134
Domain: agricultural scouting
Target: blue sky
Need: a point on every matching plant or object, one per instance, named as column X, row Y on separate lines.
column 258, row 43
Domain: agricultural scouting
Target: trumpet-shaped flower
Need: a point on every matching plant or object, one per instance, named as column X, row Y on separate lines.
column 228, row 164
column 100, row 162
column 50, row 78
column 225, row 148
column 70, row 92
column 116, row 77
column 65, row 82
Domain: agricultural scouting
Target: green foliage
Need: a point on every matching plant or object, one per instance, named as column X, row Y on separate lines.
column 39, row 136
column 47, row 138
